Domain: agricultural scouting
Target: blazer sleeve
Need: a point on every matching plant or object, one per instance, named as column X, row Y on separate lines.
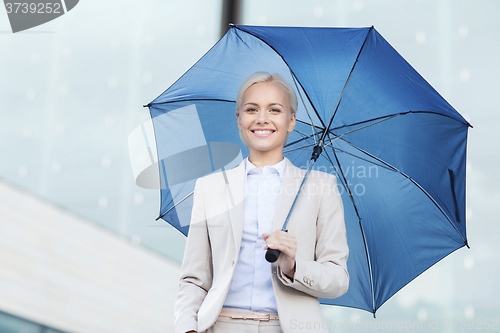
column 196, row 271
column 327, row 275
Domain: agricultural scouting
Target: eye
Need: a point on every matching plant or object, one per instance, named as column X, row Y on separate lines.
column 251, row 110
column 275, row 110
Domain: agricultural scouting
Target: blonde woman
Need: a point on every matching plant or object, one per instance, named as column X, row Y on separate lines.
column 226, row 285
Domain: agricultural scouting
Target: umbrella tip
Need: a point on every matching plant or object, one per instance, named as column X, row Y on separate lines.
column 374, row 313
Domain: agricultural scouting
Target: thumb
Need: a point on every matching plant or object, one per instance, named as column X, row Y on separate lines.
column 265, row 236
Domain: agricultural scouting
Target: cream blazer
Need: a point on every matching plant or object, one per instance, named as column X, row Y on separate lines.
column 214, row 239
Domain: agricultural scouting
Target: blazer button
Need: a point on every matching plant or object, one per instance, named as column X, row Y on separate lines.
column 305, row 279
column 312, row 282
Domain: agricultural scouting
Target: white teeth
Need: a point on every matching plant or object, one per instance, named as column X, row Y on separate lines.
column 262, row 131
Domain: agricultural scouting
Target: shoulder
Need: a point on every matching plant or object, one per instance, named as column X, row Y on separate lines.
column 220, row 176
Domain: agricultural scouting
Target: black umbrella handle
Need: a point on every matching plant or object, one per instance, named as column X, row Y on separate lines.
column 272, row 255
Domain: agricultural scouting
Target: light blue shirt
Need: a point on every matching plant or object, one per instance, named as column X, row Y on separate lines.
column 251, row 287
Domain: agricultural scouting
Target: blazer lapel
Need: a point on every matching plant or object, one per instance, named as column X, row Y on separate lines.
column 289, row 188
column 235, row 191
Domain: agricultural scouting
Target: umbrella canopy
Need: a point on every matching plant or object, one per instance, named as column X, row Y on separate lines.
column 397, row 148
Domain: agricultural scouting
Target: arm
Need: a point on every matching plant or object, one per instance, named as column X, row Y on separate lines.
column 196, row 270
column 327, row 275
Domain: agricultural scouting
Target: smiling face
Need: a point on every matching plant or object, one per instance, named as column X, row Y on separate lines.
column 264, row 120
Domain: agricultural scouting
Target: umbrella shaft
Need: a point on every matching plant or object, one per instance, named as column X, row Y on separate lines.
column 317, row 150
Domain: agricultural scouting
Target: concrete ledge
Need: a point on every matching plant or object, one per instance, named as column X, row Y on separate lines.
column 60, row 270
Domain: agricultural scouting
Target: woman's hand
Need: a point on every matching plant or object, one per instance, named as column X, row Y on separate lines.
column 287, row 244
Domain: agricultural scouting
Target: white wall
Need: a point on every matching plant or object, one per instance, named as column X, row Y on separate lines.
column 62, row 271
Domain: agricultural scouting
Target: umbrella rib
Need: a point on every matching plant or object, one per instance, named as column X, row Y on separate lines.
column 365, row 121
column 299, row 140
column 345, row 85
column 343, row 179
column 305, row 108
column 191, row 99
column 348, row 190
column 287, row 151
column 363, row 159
column 337, row 172
column 372, row 156
column 304, row 136
column 305, row 123
column 417, row 184
column 295, row 142
column 393, row 115
column 437, row 205
column 302, row 122
column 357, row 129
column 178, row 203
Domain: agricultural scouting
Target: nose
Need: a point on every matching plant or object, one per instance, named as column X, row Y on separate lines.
column 262, row 117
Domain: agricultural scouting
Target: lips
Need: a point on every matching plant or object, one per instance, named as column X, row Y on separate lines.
column 262, row 132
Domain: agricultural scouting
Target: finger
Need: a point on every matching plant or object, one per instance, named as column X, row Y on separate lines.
column 283, row 235
column 288, row 241
column 288, row 249
column 266, row 246
column 281, row 240
column 279, row 235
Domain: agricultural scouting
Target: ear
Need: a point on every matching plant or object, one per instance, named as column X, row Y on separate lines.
column 238, row 120
column 292, row 123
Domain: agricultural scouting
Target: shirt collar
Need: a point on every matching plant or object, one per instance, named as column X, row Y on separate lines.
column 279, row 167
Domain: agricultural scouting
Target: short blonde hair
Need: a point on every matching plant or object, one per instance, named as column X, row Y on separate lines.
column 259, row 77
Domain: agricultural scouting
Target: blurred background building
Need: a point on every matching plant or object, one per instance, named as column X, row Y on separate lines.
column 80, row 250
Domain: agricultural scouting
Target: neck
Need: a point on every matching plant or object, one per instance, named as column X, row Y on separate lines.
column 261, row 159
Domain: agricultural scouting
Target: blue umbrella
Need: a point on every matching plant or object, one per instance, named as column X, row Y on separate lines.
column 397, row 148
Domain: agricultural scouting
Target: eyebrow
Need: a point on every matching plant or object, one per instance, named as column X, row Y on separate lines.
column 250, row 103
